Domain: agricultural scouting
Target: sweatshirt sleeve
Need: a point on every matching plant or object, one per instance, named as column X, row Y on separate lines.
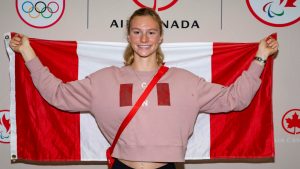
column 71, row 96
column 214, row 98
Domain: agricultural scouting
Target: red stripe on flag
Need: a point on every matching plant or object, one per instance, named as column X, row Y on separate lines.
column 246, row 134
column 46, row 133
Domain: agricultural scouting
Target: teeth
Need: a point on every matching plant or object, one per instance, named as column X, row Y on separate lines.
column 144, row 46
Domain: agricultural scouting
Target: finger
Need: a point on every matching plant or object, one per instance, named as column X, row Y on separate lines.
column 16, row 42
column 270, row 40
column 13, row 45
column 18, row 38
column 275, row 46
column 269, row 37
column 272, row 43
column 15, row 39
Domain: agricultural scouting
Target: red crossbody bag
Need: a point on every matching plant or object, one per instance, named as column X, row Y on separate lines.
column 162, row 70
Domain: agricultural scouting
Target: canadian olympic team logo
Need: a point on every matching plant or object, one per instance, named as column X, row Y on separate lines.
column 4, row 126
column 154, row 5
column 40, row 14
column 278, row 13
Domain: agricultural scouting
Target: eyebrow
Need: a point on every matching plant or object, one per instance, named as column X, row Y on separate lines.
column 152, row 29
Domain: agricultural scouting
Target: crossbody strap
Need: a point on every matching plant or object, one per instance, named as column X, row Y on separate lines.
column 162, row 70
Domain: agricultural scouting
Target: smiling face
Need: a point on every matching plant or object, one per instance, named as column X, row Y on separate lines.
column 144, row 36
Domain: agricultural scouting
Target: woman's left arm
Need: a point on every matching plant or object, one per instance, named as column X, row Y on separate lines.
column 218, row 98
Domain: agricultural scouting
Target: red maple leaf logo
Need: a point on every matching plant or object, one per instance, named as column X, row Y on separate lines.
column 289, row 3
column 173, row 2
column 293, row 122
column 5, row 122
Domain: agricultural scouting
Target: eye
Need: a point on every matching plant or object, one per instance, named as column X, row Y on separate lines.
column 135, row 32
column 152, row 32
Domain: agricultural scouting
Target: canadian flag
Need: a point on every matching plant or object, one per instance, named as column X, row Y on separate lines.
column 40, row 132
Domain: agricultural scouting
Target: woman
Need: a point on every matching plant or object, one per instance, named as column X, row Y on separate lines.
column 157, row 136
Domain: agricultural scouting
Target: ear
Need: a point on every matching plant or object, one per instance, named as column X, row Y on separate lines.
column 161, row 39
column 128, row 39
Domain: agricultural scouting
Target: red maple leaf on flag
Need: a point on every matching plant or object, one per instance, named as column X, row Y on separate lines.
column 293, row 122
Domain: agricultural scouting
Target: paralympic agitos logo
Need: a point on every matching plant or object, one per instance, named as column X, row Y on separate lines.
column 40, row 14
column 276, row 13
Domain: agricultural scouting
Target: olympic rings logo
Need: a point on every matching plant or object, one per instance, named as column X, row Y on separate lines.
column 40, row 14
column 40, row 8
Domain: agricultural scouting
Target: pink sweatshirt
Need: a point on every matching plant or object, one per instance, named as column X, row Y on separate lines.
column 160, row 130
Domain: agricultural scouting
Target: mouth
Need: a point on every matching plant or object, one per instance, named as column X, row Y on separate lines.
column 144, row 46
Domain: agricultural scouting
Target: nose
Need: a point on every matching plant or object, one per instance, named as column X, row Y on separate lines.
column 144, row 38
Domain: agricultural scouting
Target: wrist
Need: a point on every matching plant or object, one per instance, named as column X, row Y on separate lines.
column 262, row 55
column 27, row 53
column 260, row 60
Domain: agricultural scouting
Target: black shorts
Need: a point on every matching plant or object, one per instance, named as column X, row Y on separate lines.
column 119, row 165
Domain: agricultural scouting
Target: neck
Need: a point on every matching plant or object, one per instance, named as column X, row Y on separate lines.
column 144, row 64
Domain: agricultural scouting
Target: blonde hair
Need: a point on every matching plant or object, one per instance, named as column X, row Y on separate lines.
column 128, row 54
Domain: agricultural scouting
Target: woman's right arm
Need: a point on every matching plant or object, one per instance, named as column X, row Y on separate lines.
column 71, row 96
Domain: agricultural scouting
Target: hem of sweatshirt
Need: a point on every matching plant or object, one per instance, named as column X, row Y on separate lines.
column 150, row 153
column 34, row 64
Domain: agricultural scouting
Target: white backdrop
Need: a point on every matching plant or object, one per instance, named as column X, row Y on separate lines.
column 91, row 20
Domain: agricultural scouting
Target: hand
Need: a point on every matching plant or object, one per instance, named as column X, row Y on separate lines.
column 267, row 47
column 20, row 43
